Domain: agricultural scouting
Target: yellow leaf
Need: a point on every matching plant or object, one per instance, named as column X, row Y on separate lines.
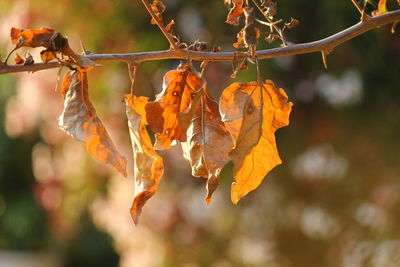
column 382, row 9
column 252, row 113
column 148, row 165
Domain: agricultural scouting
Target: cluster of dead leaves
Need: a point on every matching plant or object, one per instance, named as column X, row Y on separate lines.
column 240, row 128
column 55, row 44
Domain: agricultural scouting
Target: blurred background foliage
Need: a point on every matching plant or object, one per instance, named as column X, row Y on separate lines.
column 333, row 202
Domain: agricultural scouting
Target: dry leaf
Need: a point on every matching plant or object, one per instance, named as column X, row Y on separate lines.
column 158, row 7
column 79, row 119
column 18, row 59
column 251, row 32
column 148, row 165
column 53, row 41
column 235, row 13
column 239, row 62
column 208, row 142
column 252, row 113
column 163, row 114
column 31, row 38
column 47, row 55
column 382, row 9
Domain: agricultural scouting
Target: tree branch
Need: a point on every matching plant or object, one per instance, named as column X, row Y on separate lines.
column 327, row 44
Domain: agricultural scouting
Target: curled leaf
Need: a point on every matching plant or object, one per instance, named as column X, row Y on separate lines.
column 18, row 59
column 382, row 9
column 239, row 62
column 252, row 113
column 148, row 165
column 208, row 141
column 163, row 114
column 158, row 7
column 235, row 13
column 47, row 55
column 79, row 119
column 31, row 38
column 53, row 41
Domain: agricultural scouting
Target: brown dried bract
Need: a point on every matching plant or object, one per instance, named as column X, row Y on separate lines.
column 79, row 119
column 163, row 114
column 252, row 113
column 148, row 165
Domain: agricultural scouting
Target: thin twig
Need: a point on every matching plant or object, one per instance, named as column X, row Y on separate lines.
column 326, row 44
column 160, row 25
column 357, row 5
column 274, row 24
column 364, row 15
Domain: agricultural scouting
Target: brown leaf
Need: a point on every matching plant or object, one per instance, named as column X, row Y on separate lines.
column 47, row 55
column 235, row 13
column 158, row 7
column 31, row 38
column 382, row 9
column 251, row 32
column 240, row 39
column 53, row 41
column 162, row 114
column 148, row 165
column 208, row 140
column 18, row 59
column 252, row 113
column 239, row 62
column 79, row 119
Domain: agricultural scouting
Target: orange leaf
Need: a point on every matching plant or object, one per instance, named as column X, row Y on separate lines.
column 31, row 38
column 47, row 55
column 252, row 113
column 148, row 165
column 208, row 141
column 382, row 9
column 53, row 41
column 18, row 59
column 79, row 119
column 158, row 7
column 235, row 13
column 162, row 114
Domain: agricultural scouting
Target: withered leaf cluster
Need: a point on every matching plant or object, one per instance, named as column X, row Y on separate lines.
column 240, row 128
column 55, row 44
